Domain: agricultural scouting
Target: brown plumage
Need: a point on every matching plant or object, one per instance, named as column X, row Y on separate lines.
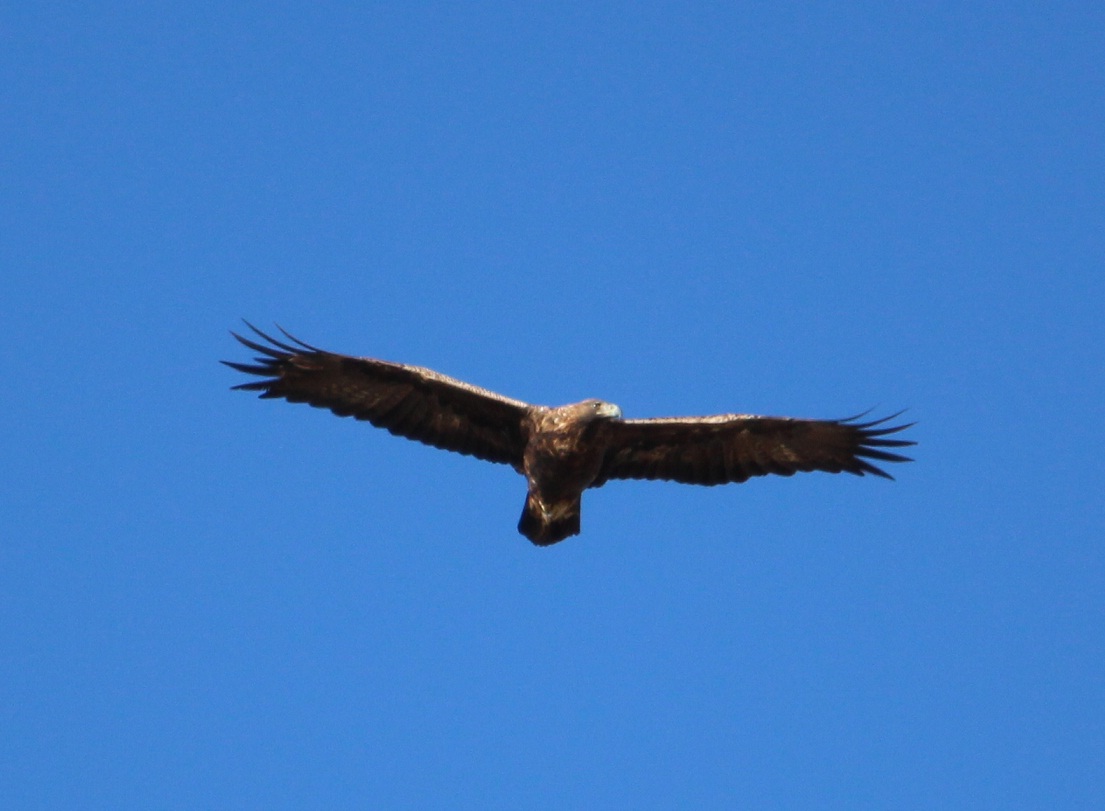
column 562, row 451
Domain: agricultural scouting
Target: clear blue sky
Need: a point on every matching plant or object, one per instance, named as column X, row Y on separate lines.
column 208, row 601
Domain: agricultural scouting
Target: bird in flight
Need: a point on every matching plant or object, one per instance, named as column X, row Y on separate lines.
column 565, row 450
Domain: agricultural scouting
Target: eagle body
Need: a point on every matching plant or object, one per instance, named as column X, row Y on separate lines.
column 565, row 450
column 560, row 461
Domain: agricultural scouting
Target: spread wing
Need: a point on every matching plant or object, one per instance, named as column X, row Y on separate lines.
column 733, row 447
column 409, row 401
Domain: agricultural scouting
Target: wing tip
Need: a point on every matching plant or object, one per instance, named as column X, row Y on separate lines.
column 870, row 441
column 273, row 360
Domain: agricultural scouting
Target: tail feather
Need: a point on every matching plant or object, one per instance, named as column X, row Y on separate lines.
column 548, row 524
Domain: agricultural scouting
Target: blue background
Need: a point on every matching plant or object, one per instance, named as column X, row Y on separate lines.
column 212, row 602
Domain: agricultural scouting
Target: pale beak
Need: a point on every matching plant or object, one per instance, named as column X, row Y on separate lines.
column 610, row 410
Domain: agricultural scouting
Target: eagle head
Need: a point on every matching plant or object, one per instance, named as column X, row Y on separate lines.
column 599, row 409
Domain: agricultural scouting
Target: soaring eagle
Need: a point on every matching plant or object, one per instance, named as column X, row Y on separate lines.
column 561, row 451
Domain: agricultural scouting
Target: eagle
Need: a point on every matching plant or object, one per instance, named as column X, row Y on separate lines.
column 562, row 450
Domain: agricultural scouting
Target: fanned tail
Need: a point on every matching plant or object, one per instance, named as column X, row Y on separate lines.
column 548, row 524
